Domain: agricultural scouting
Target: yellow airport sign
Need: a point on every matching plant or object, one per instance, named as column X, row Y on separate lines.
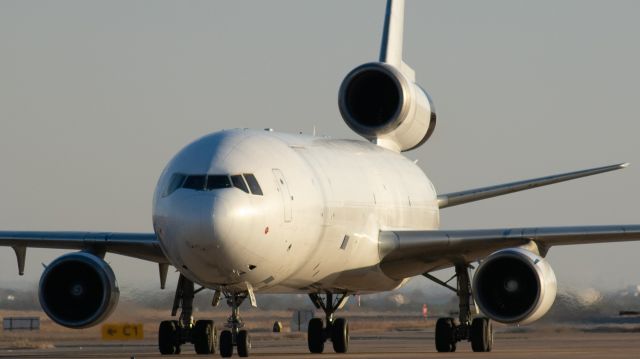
column 122, row 331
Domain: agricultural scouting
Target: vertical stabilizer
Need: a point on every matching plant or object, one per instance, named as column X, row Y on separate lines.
column 381, row 101
column 392, row 36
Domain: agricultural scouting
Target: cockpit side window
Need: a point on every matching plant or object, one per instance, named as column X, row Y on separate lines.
column 195, row 182
column 217, row 182
column 253, row 184
column 238, row 182
column 176, row 181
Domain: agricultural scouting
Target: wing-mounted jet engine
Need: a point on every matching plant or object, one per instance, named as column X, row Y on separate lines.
column 514, row 286
column 381, row 102
column 78, row 290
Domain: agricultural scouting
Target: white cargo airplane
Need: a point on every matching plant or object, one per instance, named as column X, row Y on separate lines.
column 244, row 211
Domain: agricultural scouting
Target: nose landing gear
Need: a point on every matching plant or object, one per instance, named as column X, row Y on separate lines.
column 336, row 330
column 234, row 336
column 172, row 334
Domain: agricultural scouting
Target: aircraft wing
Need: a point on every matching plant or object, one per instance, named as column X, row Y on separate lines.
column 408, row 253
column 476, row 194
column 138, row 245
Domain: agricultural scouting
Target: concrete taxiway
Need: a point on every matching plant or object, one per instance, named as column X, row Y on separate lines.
column 406, row 344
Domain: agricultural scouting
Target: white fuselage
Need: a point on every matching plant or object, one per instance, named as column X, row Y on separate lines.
column 315, row 226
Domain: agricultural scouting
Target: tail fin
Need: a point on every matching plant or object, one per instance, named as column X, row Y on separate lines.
column 392, row 37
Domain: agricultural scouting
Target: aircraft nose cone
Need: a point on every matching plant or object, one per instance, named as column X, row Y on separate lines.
column 221, row 218
column 206, row 223
column 231, row 219
column 207, row 234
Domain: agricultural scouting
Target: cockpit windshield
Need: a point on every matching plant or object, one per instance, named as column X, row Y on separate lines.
column 246, row 182
column 217, row 182
column 195, row 182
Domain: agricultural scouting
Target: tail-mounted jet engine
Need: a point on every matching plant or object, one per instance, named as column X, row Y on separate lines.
column 381, row 104
column 78, row 290
column 514, row 286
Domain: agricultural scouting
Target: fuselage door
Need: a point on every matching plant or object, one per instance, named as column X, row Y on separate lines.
column 283, row 188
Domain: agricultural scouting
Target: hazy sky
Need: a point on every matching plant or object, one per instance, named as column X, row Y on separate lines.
column 96, row 97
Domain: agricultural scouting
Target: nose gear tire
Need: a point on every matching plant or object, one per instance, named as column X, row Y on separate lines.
column 243, row 343
column 226, row 344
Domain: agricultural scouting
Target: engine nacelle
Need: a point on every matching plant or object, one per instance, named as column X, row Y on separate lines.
column 380, row 104
column 78, row 290
column 514, row 286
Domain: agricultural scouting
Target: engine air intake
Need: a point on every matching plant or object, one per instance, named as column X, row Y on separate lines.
column 380, row 104
column 373, row 98
column 78, row 290
column 514, row 286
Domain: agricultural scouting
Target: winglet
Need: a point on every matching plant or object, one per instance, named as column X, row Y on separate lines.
column 392, row 38
column 457, row 198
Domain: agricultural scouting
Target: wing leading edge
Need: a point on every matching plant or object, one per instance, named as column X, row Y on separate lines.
column 462, row 197
column 137, row 245
column 409, row 253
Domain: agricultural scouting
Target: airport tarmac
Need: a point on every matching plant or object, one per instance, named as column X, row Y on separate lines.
column 394, row 344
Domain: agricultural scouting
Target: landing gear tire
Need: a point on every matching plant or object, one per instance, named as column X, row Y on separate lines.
column 315, row 336
column 445, row 335
column 204, row 337
column 481, row 335
column 243, row 343
column 169, row 337
column 226, row 344
column 340, row 335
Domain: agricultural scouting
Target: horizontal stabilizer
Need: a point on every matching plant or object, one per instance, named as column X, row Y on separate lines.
column 457, row 198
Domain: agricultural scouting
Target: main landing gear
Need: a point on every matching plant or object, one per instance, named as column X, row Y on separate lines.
column 173, row 333
column 202, row 333
column 336, row 330
column 478, row 331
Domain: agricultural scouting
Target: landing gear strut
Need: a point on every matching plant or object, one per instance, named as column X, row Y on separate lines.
column 173, row 333
column 336, row 330
column 478, row 331
column 234, row 336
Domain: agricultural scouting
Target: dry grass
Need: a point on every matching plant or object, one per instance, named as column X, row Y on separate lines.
column 260, row 322
column 23, row 343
